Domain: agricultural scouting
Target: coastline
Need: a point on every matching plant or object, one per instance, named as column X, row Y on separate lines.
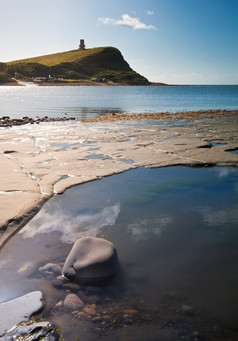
column 78, row 83
column 43, row 159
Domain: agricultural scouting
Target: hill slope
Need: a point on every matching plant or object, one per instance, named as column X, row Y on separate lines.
column 102, row 63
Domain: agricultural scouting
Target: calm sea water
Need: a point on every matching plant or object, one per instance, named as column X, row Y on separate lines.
column 85, row 101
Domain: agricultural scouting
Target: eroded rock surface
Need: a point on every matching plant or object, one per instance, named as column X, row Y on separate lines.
column 19, row 309
column 39, row 160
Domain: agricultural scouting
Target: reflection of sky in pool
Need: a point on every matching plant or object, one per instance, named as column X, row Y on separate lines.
column 87, row 209
column 179, row 225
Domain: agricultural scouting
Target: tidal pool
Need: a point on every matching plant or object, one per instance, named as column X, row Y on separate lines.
column 175, row 230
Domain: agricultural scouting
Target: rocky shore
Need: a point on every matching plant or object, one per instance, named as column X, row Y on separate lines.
column 43, row 157
column 207, row 114
column 6, row 121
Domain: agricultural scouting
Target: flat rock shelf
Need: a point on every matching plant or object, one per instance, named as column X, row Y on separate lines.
column 38, row 161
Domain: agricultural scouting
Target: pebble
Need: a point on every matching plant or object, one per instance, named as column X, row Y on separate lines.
column 90, row 309
column 187, row 309
column 196, row 333
column 130, row 311
column 59, row 304
column 72, row 301
column 51, row 267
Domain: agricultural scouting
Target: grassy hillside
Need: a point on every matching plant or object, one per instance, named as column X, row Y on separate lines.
column 61, row 57
column 102, row 63
column 5, row 77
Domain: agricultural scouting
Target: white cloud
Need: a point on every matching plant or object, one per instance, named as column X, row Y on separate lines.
column 149, row 12
column 148, row 228
column 72, row 228
column 223, row 216
column 127, row 20
column 224, row 172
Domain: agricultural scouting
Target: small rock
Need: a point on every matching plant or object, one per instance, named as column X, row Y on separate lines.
column 58, row 283
column 72, row 301
column 196, row 333
column 187, row 309
column 82, row 296
column 130, row 311
column 95, row 289
column 51, row 267
column 78, row 314
column 90, row 309
column 72, row 286
column 93, row 299
column 59, row 304
column 97, row 318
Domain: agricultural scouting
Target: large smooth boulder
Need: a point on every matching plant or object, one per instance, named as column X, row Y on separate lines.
column 91, row 261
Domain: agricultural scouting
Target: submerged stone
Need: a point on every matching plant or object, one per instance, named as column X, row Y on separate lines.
column 51, row 267
column 19, row 310
column 91, row 260
column 187, row 309
column 31, row 331
column 72, row 301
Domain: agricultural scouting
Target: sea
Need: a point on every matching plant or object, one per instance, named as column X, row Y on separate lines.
column 92, row 101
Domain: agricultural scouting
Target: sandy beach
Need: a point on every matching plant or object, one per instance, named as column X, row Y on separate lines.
column 40, row 160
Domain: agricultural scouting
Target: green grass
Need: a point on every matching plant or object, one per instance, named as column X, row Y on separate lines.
column 62, row 57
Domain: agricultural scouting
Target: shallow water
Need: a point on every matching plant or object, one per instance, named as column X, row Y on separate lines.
column 175, row 230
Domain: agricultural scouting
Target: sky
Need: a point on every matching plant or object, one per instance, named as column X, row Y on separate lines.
column 169, row 41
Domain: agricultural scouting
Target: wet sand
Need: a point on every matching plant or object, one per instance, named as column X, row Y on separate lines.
column 40, row 160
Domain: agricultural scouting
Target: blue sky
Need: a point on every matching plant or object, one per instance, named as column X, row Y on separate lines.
column 171, row 41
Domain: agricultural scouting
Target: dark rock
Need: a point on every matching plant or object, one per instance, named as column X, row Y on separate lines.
column 91, row 260
column 58, row 283
column 31, row 331
column 71, row 286
column 95, row 289
column 82, row 296
column 6, row 121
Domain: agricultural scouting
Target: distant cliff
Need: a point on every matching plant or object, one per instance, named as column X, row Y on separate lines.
column 102, row 64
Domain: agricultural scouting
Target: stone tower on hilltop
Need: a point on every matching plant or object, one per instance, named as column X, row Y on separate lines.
column 82, row 46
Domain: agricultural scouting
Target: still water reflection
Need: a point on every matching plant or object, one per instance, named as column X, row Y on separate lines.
column 175, row 230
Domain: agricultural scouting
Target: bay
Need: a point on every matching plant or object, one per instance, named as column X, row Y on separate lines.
column 92, row 101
